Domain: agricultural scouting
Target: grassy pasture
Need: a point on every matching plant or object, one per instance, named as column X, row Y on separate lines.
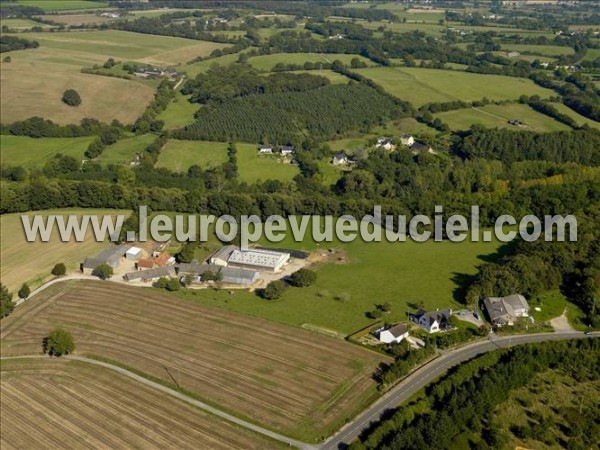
column 498, row 116
column 267, row 62
column 421, row 86
column 179, row 113
column 31, row 152
column 288, row 379
column 77, row 19
column 24, row 261
column 592, row 54
column 202, row 66
column 22, row 23
column 546, row 50
column 253, row 167
column 70, row 404
column 179, row 155
column 576, row 116
column 60, row 5
column 123, row 151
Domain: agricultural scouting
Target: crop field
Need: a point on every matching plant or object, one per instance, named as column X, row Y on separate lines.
column 34, row 82
column 546, row 50
column 179, row 155
column 421, row 86
column 291, row 380
column 498, row 116
column 253, row 167
column 267, row 62
column 35, row 152
column 145, row 48
column 32, row 261
column 53, row 403
column 59, row 5
column 123, row 151
column 179, row 113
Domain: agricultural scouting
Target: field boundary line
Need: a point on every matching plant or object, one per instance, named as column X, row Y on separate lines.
column 173, row 393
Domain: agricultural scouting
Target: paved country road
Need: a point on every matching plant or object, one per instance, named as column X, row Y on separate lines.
column 428, row 373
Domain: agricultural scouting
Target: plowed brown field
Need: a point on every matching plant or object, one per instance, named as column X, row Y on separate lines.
column 287, row 379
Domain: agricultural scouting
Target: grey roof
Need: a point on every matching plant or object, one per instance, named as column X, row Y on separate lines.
column 288, row 147
column 340, row 155
column 192, row 268
column 224, row 252
column 418, row 146
column 501, row 308
column 238, row 276
column 150, row 273
column 441, row 315
column 398, row 330
column 109, row 256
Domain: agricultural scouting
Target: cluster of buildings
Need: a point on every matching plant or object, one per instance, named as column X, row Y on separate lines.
column 501, row 311
column 284, row 150
column 406, row 140
column 154, row 72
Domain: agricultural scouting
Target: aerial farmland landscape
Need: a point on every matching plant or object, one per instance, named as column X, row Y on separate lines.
column 311, row 224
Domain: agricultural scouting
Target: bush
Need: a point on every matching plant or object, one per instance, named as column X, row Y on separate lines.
column 303, row 278
column 59, row 270
column 71, row 97
column 103, row 271
column 6, row 303
column 59, row 342
column 24, row 291
column 274, row 290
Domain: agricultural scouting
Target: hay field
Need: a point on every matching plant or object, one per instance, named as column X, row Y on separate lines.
column 53, row 403
column 291, row 380
column 32, row 261
column 179, row 156
column 35, row 152
column 253, row 167
column 421, row 86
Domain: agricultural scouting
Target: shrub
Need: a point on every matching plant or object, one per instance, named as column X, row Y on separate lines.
column 59, row 342
column 103, row 271
column 303, row 278
column 6, row 303
column 59, row 270
column 71, row 97
column 274, row 290
column 24, row 291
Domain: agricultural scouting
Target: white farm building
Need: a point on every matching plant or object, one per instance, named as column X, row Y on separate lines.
column 258, row 259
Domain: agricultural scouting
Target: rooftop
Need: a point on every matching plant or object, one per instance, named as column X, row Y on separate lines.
column 258, row 258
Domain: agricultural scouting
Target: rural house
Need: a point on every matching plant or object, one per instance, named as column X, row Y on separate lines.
column 395, row 334
column 506, row 310
column 432, row 321
column 385, row 143
column 407, row 139
column 340, row 159
column 419, row 147
column 287, row 150
column 265, row 150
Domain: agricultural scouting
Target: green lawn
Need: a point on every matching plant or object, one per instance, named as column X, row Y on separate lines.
column 551, row 304
column 179, row 155
column 592, row 54
column 492, row 116
column 267, row 62
column 124, row 150
column 31, row 152
column 421, row 86
column 578, row 117
column 179, row 113
column 546, row 50
column 60, row 5
column 253, row 167
column 370, row 273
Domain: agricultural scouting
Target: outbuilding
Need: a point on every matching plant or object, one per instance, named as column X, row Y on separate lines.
column 133, row 254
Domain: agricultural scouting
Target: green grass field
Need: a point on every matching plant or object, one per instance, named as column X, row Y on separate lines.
column 592, row 54
column 402, row 274
column 202, row 66
column 22, row 23
column 421, row 86
column 333, row 77
column 253, row 167
column 546, row 50
column 59, row 5
column 179, row 155
column 31, row 152
column 576, row 116
column 32, row 261
column 267, row 62
column 492, row 116
column 124, row 150
column 179, row 113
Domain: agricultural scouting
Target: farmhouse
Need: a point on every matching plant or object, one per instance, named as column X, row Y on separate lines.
column 111, row 256
column 265, row 150
column 395, row 334
column 385, row 143
column 340, row 159
column 419, row 147
column 287, row 150
column 407, row 139
column 150, row 275
column 432, row 321
column 506, row 310
column 258, row 259
column 221, row 257
column 133, row 254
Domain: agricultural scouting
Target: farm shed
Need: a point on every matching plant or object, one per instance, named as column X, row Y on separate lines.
column 151, row 274
column 258, row 259
column 238, row 276
column 133, row 254
column 221, row 257
column 111, row 256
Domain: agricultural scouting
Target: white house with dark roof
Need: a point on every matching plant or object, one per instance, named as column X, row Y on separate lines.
column 287, row 150
column 340, row 159
column 432, row 321
column 265, row 150
column 506, row 310
column 407, row 139
column 385, row 143
column 394, row 334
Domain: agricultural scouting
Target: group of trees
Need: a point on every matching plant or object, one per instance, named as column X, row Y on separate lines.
column 9, row 43
column 301, row 278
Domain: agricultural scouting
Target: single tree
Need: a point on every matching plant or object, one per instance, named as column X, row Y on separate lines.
column 71, row 97
column 173, row 284
column 103, row 271
column 59, row 270
column 274, row 290
column 6, row 303
column 24, row 291
column 187, row 252
column 59, row 342
column 7, row 59
column 303, row 278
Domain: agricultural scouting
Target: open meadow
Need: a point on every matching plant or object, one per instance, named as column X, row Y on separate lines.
column 35, row 152
column 124, row 150
column 421, row 86
column 178, row 155
column 492, row 116
column 54, row 403
column 545, row 50
column 179, row 113
column 253, row 167
column 291, row 380
column 59, row 5
column 32, row 261
column 267, row 62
